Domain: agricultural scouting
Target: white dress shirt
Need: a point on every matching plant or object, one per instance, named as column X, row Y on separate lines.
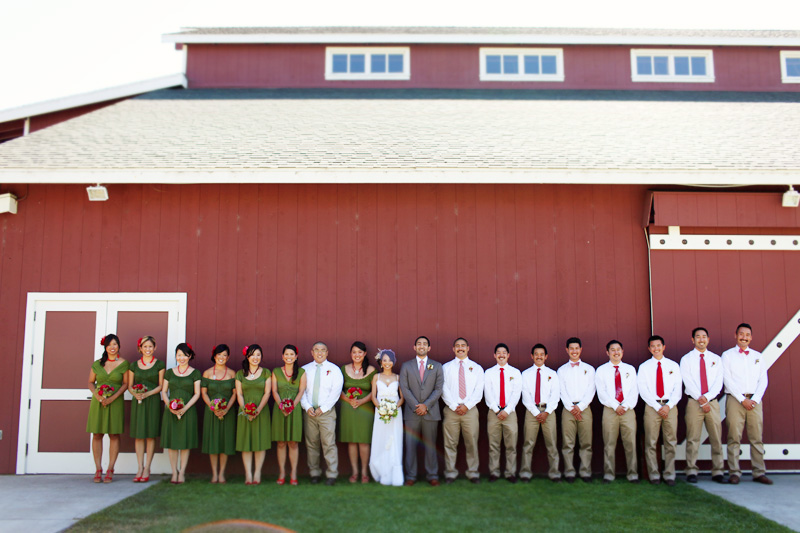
column 744, row 374
column 576, row 384
column 473, row 374
column 646, row 379
column 330, row 385
column 549, row 389
column 491, row 389
column 607, row 390
column 690, row 373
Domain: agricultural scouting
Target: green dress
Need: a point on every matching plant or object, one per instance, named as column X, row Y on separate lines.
column 180, row 434
column 146, row 416
column 219, row 436
column 253, row 436
column 291, row 430
column 109, row 420
column 356, row 424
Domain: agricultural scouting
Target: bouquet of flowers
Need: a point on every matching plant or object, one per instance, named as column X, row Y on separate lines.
column 387, row 409
column 354, row 392
column 218, row 404
column 249, row 409
column 287, row 405
column 139, row 388
column 176, row 405
column 106, row 391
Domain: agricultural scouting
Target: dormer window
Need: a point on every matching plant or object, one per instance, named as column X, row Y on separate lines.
column 367, row 63
column 678, row 66
column 522, row 64
column 790, row 66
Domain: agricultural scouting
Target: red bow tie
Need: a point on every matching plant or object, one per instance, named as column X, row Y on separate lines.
column 746, row 352
column 574, row 364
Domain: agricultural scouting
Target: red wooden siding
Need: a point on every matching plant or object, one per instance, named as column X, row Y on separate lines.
column 447, row 66
column 279, row 264
column 11, row 129
column 727, row 210
column 40, row 122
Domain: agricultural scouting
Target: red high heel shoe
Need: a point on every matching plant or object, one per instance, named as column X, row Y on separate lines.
column 293, row 482
column 281, row 481
column 98, row 476
column 109, row 476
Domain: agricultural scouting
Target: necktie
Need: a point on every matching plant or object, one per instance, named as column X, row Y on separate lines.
column 746, row 352
column 317, row 381
column 703, row 377
column 462, row 381
column 659, row 381
column 618, row 384
column 421, row 369
column 538, row 397
column 502, row 390
column 574, row 364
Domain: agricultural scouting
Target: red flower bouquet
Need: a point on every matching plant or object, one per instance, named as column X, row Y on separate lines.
column 287, row 405
column 218, row 404
column 139, row 388
column 176, row 405
column 106, row 391
column 354, row 392
column 249, row 409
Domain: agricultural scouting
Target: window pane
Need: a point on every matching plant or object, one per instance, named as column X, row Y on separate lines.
column 698, row 66
column 682, row 66
column 395, row 62
column 531, row 64
column 357, row 62
column 793, row 66
column 377, row 63
column 643, row 65
column 493, row 65
column 549, row 65
column 339, row 63
column 661, row 65
column 510, row 65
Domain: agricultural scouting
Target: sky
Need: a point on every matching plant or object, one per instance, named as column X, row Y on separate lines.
column 56, row 48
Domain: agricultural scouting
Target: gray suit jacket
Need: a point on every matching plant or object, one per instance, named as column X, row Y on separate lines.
column 428, row 391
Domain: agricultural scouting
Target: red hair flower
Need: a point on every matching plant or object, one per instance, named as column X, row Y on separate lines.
column 139, row 342
column 102, row 341
column 213, row 350
column 244, row 351
column 190, row 346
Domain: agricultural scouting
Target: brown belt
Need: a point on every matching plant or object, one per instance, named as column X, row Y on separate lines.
column 748, row 396
column 541, row 406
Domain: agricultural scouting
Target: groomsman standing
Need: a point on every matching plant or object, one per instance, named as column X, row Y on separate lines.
column 701, row 371
column 540, row 396
column 502, row 389
column 745, row 378
column 325, row 382
column 660, row 387
column 463, row 389
column 576, row 385
column 617, row 391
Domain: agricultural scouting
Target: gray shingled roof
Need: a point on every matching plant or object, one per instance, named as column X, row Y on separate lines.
column 207, row 130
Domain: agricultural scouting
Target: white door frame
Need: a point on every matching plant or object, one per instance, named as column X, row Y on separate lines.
column 106, row 306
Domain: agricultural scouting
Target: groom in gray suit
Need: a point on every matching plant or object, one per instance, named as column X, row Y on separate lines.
column 421, row 381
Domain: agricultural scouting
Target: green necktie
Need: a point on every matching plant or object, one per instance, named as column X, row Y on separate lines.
column 315, row 394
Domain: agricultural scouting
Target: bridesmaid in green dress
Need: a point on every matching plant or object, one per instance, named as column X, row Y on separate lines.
column 253, row 435
column 288, row 382
column 179, row 426
column 107, row 411
column 146, row 406
column 219, row 427
column 357, row 411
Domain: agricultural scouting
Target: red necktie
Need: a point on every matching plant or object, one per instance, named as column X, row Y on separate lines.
column 421, row 369
column 502, row 390
column 462, row 381
column 703, row 377
column 746, row 352
column 659, row 381
column 618, row 384
column 538, row 398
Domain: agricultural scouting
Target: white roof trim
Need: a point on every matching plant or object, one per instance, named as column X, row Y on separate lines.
column 469, row 38
column 419, row 175
column 93, row 97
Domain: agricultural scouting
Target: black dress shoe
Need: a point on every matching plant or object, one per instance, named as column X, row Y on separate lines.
column 315, row 480
column 525, row 479
column 493, row 478
column 606, row 481
column 692, row 478
column 719, row 478
column 570, row 479
column 512, row 479
column 733, row 480
column 587, row 479
column 331, row 481
column 555, row 479
column 669, row 482
column 449, row 480
column 474, row 480
column 634, row 481
column 655, row 481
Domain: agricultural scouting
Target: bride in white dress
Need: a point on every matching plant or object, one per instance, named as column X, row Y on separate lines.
column 386, row 460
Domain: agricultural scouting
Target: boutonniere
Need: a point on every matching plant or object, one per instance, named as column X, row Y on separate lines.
column 757, row 360
column 470, row 369
column 510, row 378
column 670, row 372
column 549, row 378
column 713, row 363
column 430, row 367
column 328, row 373
column 627, row 375
column 585, row 372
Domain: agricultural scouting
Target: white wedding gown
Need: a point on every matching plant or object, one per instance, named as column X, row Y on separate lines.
column 386, row 458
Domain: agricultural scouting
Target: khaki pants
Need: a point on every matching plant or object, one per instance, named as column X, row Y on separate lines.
column 614, row 426
column 653, row 426
column 737, row 418
column 321, row 436
column 531, row 433
column 570, row 428
column 452, row 427
column 695, row 418
column 502, row 432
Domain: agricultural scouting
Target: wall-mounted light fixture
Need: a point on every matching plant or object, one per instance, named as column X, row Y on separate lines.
column 8, row 203
column 97, row 193
column 791, row 198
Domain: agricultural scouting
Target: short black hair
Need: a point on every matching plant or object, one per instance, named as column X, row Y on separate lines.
column 744, row 325
column 422, row 337
column 501, row 345
column 574, row 340
column 611, row 342
column 656, row 338
column 460, row 339
column 539, row 345
column 699, row 328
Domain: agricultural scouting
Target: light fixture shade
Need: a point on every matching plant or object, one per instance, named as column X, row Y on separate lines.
column 97, row 193
column 8, row 203
column 791, row 198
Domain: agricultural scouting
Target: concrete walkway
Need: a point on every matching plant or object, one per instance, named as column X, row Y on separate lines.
column 777, row 502
column 51, row 503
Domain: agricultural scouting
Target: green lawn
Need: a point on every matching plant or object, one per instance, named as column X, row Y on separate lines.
column 459, row 507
